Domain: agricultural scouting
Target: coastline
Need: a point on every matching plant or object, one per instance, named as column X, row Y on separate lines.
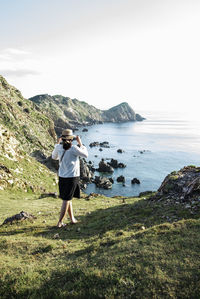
column 160, row 157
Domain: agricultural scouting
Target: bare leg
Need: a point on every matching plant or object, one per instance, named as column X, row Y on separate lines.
column 63, row 210
column 70, row 212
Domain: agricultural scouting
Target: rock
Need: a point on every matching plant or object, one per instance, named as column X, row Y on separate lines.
column 135, row 181
column 51, row 194
column 100, row 150
column 102, row 182
column 18, row 217
column 114, row 163
column 4, row 168
column 187, row 206
column 104, row 167
column 139, row 117
column 119, row 233
column 10, row 182
column 85, row 130
column 104, row 144
column 86, row 173
column 111, row 180
column 56, row 236
column 83, row 185
column 121, row 165
column 51, row 164
column 95, row 143
column 121, row 178
column 183, row 185
column 120, row 151
column 39, row 155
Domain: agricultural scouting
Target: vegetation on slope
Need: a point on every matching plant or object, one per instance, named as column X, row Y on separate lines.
column 68, row 112
column 24, row 120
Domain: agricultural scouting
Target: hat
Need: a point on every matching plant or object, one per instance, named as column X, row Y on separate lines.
column 67, row 134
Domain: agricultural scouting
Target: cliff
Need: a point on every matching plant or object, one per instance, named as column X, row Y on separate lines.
column 24, row 132
column 24, row 119
column 120, row 113
column 67, row 112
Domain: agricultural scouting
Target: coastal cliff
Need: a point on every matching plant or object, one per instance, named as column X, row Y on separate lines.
column 24, row 120
column 67, row 112
column 25, row 133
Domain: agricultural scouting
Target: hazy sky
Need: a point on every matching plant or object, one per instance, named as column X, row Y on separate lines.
column 145, row 52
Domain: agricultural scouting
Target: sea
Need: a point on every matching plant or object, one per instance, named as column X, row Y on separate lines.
column 153, row 148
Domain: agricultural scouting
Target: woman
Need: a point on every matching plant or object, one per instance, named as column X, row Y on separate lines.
column 69, row 171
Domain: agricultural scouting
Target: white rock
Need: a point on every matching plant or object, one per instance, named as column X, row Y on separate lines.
column 10, row 182
column 187, row 206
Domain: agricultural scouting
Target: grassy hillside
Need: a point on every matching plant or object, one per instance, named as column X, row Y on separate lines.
column 21, row 117
column 66, row 112
column 121, row 248
column 24, row 132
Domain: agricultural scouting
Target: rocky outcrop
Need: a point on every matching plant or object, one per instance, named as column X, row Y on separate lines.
column 135, row 181
column 121, row 179
column 120, row 113
column 182, row 185
column 86, row 171
column 19, row 217
column 115, row 164
column 120, row 151
column 104, row 144
column 105, row 167
column 103, row 182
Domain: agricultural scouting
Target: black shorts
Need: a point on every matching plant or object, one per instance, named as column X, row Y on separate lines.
column 69, row 188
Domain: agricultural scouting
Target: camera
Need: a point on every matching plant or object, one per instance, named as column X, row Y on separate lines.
column 65, row 139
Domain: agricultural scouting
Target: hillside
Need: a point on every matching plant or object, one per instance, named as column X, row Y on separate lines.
column 67, row 112
column 31, row 128
column 121, row 248
column 24, row 132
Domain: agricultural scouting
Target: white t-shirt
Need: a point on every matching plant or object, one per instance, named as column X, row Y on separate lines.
column 70, row 165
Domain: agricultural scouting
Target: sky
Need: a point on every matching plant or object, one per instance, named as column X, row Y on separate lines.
column 144, row 52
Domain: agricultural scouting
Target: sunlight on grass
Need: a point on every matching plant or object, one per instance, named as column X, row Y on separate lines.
column 123, row 249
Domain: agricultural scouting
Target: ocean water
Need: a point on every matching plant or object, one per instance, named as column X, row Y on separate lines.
column 169, row 143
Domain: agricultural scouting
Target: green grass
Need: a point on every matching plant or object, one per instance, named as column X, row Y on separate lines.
column 28, row 174
column 121, row 248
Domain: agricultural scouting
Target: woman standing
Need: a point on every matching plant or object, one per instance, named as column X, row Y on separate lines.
column 69, row 171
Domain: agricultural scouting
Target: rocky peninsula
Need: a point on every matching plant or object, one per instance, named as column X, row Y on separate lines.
column 71, row 113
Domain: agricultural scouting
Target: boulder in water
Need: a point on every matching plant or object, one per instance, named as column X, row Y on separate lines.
column 102, row 182
column 121, row 179
column 105, row 167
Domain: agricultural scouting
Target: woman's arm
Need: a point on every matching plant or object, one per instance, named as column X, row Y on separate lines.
column 55, row 151
column 82, row 150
